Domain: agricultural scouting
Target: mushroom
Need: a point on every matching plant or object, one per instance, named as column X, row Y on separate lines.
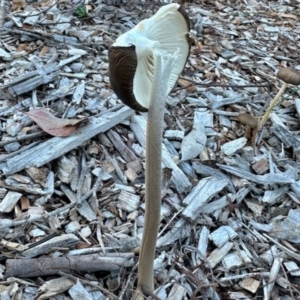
column 288, row 76
column 131, row 61
column 144, row 66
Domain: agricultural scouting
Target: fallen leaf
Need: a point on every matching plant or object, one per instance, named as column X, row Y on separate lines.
column 184, row 83
column 54, row 287
column 248, row 119
column 53, row 125
column 44, row 50
column 18, row 5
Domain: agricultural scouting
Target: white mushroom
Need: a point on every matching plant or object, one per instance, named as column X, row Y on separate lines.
column 131, row 61
column 144, row 65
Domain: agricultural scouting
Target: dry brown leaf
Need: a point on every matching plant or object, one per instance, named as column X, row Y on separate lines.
column 184, row 83
column 24, row 47
column 44, row 50
column 53, row 125
column 13, row 246
column 18, row 5
column 248, row 119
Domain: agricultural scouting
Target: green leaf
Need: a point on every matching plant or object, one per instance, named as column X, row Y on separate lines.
column 80, row 12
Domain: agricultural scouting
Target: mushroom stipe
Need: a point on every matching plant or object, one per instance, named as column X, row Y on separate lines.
column 144, row 65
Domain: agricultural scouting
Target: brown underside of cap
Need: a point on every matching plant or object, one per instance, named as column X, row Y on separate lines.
column 185, row 16
column 122, row 66
column 289, row 75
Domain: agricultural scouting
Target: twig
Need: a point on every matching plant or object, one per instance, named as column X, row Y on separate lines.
column 289, row 284
column 81, row 179
column 128, row 281
column 268, row 85
column 284, row 249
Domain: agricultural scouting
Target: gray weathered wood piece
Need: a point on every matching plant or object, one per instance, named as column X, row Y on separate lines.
column 121, row 147
column 78, row 291
column 218, row 254
column 201, row 194
column 65, row 240
column 10, row 200
column 287, row 138
column 272, row 178
column 138, row 126
column 57, row 146
column 31, row 80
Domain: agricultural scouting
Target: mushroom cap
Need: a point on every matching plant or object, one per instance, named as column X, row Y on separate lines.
column 131, row 61
column 289, row 75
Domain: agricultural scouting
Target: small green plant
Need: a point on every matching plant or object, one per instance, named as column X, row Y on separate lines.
column 80, row 12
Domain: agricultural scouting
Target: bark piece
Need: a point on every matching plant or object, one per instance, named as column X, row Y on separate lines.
column 231, row 147
column 250, row 284
column 261, row 166
column 128, row 201
column 65, row 240
column 121, row 147
column 218, row 254
column 31, row 80
column 200, row 195
column 52, row 265
column 287, row 138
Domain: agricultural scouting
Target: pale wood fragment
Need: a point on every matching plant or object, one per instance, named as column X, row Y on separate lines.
column 174, row 135
column 31, row 80
column 83, row 208
column 128, row 201
column 65, row 240
column 9, row 201
column 287, row 138
column 177, row 292
column 121, row 147
column 180, row 230
column 230, row 148
column 297, row 105
column 239, row 296
column 222, row 235
column 292, row 267
column 271, row 197
column 77, row 291
column 54, row 287
column 200, row 195
column 274, row 274
column 214, row 172
column 236, row 259
column 250, row 284
column 272, row 178
column 203, row 242
column 218, row 254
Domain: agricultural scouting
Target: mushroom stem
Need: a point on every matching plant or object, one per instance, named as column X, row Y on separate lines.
column 163, row 67
column 272, row 105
